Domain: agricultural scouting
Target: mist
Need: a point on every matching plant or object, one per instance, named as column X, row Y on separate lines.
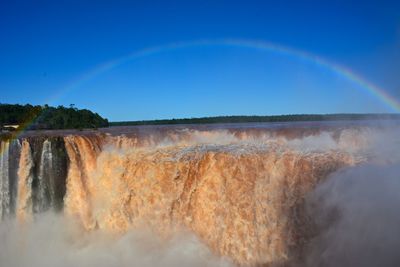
column 53, row 240
column 356, row 212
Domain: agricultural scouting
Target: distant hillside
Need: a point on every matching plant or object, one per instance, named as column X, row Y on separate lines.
column 278, row 118
column 46, row 117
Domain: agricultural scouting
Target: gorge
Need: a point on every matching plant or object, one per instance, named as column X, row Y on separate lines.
column 247, row 193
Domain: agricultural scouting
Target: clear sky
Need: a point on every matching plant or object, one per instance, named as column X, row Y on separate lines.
column 46, row 46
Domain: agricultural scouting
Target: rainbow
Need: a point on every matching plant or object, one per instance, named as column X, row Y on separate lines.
column 365, row 85
column 337, row 69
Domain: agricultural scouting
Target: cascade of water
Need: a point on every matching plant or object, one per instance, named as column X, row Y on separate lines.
column 243, row 199
column 43, row 201
column 242, row 196
column 25, row 178
column 14, row 157
column 4, row 180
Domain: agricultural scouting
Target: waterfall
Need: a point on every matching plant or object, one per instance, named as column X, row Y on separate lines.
column 43, row 195
column 243, row 199
column 25, row 178
column 42, row 169
column 13, row 159
column 4, row 180
column 241, row 193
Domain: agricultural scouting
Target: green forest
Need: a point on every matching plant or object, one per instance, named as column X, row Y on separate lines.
column 47, row 117
column 277, row 118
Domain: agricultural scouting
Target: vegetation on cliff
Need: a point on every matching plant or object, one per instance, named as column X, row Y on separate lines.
column 276, row 118
column 46, row 117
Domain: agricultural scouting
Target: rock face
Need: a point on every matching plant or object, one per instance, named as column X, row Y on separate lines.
column 39, row 173
column 241, row 192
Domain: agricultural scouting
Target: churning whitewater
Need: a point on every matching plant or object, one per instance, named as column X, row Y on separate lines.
column 185, row 195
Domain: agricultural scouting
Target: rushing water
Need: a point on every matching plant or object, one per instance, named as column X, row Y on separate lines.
column 240, row 190
column 4, row 180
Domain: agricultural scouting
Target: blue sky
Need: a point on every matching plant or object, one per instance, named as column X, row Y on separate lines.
column 47, row 45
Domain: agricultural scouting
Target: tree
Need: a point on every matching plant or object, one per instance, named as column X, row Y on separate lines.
column 48, row 117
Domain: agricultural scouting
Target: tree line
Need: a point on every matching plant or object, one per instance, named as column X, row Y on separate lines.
column 275, row 118
column 47, row 117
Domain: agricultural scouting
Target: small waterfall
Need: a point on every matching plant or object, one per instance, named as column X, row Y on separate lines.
column 43, row 194
column 4, row 180
column 42, row 170
column 25, row 178
column 13, row 162
column 9, row 161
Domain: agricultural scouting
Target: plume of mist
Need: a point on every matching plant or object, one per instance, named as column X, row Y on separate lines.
column 52, row 240
column 356, row 211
